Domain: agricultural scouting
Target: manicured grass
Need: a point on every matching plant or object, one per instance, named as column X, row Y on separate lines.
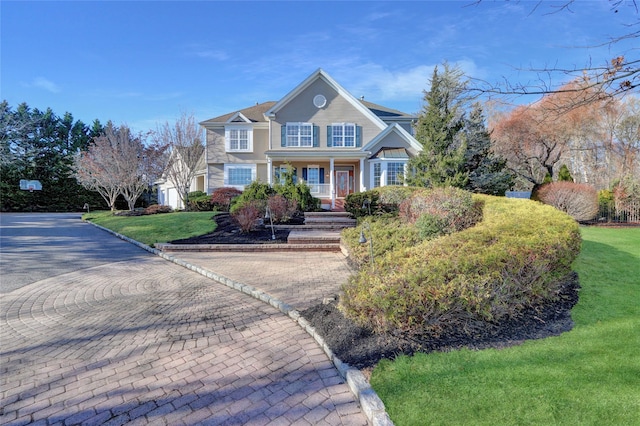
column 588, row 376
column 156, row 228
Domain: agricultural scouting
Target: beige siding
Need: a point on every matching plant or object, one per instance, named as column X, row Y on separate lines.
column 216, row 152
column 216, row 176
column 337, row 110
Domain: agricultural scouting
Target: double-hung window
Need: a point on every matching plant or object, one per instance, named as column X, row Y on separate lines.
column 238, row 139
column 299, row 134
column 343, row 135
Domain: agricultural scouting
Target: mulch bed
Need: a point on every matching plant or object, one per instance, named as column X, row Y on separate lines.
column 228, row 232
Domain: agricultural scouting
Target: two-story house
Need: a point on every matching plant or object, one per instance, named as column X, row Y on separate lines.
column 336, row 143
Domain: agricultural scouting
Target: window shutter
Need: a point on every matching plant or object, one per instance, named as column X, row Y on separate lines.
column 304, row 174
column 295, row 175
column 321, row 175
column 329, row 136
column 283, row 135
column 358, row 136
column 316, row 131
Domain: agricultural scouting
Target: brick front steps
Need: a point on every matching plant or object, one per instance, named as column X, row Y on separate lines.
column 320, row 232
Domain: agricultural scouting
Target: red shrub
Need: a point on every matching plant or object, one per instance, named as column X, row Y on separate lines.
column 247, row 215
column 281, row 208
column 221, row 198
column 578, row 200
column 157, row 208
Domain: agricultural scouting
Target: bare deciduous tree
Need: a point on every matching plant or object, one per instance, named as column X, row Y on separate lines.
column 118, row 162
column 606, row 79
column 184, row 140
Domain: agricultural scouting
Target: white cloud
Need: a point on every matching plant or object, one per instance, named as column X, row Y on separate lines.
column 43, row 83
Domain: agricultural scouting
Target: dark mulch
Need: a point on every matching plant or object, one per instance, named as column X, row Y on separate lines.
column 228, row 232
column 363, row 349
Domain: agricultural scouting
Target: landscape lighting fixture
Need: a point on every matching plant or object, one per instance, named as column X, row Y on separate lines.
column 363, row 240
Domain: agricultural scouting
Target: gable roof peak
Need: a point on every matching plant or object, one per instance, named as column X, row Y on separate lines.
column 322, row 74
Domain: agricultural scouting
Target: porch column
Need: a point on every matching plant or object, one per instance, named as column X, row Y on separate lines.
column 363, row 187
column 332, row 183
column 269, row 171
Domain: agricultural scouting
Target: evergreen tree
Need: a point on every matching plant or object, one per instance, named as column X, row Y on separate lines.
column 564, row 175
column 439, row 130
column 487, row 172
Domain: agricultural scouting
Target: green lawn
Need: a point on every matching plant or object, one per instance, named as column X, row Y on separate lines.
column 588, row 376
column 156, row 228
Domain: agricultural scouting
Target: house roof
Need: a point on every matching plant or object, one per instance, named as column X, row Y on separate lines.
column 389, row 153
column 396, row 128
column 384, row 112
column 253, row 113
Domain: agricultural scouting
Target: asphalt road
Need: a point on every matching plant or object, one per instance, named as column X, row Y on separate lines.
column 36, row 246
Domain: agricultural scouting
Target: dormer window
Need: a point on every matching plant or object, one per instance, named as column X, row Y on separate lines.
column 238, row 138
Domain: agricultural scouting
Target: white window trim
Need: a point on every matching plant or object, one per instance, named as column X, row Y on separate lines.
column 227, row 167
column 227, row 138
column 299, row 137
column 383, row 170
column 342, row 139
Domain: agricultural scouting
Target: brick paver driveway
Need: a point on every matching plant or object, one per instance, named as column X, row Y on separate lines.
column 144, row 341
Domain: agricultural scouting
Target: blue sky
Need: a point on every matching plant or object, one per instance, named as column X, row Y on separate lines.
column 145, row 62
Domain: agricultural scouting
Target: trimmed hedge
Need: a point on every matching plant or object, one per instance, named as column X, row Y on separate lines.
column 515, row 258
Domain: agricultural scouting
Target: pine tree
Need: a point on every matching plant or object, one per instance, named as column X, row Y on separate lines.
column 487, row 172
column 439, row 130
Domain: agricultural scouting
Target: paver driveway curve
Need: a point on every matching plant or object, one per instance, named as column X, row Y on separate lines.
column 144, row 341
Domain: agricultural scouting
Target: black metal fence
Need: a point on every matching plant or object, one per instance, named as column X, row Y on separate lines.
column 620, row 212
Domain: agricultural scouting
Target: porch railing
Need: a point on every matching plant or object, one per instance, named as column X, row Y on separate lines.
column 320, row 189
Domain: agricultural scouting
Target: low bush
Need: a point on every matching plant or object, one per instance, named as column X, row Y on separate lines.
column 361, row 204
column 222, row 197
column 441, row 211
column 281, row 209
column 383, row 200
column 247, row 215
column 514, row 259
column 256, row 194
column 580, row 201
column 198, row 201
column 157, row 208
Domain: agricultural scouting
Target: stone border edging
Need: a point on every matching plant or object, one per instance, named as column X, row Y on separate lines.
column 370, row 402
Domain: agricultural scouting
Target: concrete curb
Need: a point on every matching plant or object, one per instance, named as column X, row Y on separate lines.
column 371, row 404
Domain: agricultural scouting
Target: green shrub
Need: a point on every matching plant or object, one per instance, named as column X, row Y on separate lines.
column 514, row 259
column 386, row 232
column 361, row 204
column 256, row 194
column 198, row 201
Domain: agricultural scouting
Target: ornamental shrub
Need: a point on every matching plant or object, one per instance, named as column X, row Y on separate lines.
column 580, row 201
column 222, row 197
column 157, row 208
column 360, row 204
column 247, row 215
column 198, row 201
column 281, row 209
column 515, row 259
column 256, row 193
column 441, row 211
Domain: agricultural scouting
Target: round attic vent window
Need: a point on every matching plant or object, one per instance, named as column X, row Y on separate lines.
column 319, row 101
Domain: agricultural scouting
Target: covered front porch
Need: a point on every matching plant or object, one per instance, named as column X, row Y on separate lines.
column 331, row 178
